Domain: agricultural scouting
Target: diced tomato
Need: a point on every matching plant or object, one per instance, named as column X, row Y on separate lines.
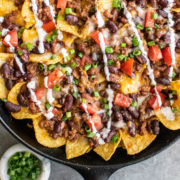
column 14, row 38
column 149, row 21
column 153, row 102
column 90, row 109
column 155, row 53
column 61, row 4
column 96, row 120
column 95, row 36
column 159, row 89
column 55, row 111
column 127, row 67
column 122, row 100
column 49, row 26
column 86, row 59
column 54, row 78
column 166, row 53
column 40, row 93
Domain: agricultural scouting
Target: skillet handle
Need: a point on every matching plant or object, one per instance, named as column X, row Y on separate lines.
column 96, row 173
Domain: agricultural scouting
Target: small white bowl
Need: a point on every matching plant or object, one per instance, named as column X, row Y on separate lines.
column 45, row 163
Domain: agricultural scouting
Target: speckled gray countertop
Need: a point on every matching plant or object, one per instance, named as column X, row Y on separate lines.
column 164, row 166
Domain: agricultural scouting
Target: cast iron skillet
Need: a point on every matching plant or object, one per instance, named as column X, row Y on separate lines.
column 91, row 166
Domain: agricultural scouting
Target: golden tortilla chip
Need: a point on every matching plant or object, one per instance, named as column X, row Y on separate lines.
column 6, row 6
column 136, row 144
column 30, row 36
column 77, row 148
column 25, row 113
column 46, row 58
column 172, row 124
column 176, row 10
column 4, row 91
column 43, row 137
column 104, row 5
column 107, row 150
column 5, row 56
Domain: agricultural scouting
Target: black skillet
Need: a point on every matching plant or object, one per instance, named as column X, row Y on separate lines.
column 91, row 166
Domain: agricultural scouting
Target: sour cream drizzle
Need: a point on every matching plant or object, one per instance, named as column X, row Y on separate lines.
column 38, row 25
column 172, row 43
column 141, row 47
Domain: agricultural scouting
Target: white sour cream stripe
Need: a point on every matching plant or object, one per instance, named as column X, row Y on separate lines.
column 39, row 29
column 19, row 63
column 172, row 43
column 141, row 47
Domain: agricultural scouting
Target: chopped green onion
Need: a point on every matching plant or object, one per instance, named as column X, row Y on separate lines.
column 83, row 100
column 135, row 41
column 87, row 67
column 55, row 32
column 51, row 67
column 154, row 15
column 72, row 51
column 53, row 56
column 80, row 54
column 68, row 11
column 67, row 73
column 63, row 70
column 29, row 46
column 20, row 52
column 56, row 87
column 68, row 58
column 139, row 26
column 76, row 81
column 174, row 109
column 151, row 43
column 137, row 52
column 4, row 100
column 73, row 64
column 90, row 134
column 96, row 94
column 116, row 4
column 64, row 118
column 148, row 29
column 94, row 65
column 68, row 114
column 106, row 106
column 173, row 75
column 87, row 129
column 47, row 105
column 134, row 103
column 110, row 62
column 22, row 44
column 157, row 26
column 109, row 50
column 41, row 67
column 174, row 92
column 121, row 57
column 161, row 46
column 123, row 44
column 75, row 94
column 131, row 56
column 103, row 100
column 114, row 139
column 48, row 39
column 92, row 77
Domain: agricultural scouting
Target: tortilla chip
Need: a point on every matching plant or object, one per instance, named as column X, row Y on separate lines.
column 5, row 56
column 6, row 6
column 175, row 124
column 136, row 144
column 25, row 113
column 46, row 58
column 176, row 10
column 4, row 91
column 77, row 148
column 43, row 137
column 107, row 150
column 30, row 36
column 104, row 5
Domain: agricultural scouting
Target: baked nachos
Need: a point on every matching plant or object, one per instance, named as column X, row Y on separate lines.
column 92, row 74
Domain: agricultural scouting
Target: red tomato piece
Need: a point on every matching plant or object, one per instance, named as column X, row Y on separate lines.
column 159, row 89
column 96, row 120
column 149, row 21
column 155, row 53
column 40, row 93
column 61, row 4
column 86, row 59
column 153, row 102
column 166, row 53
column 54, row 78
column 55, row 111
column 95, row 35
column 122, row 100
column 14, row 38
column 127, row 67
column 90, row 109
column 49, row 26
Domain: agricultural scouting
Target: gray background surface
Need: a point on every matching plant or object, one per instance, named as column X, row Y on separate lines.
column 164, row 166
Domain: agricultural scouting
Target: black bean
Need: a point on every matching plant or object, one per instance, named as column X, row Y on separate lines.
column 25, row 56
column 163, row 81
column 134, row 112
column 155, row 127
column 12, row 107
column 71, row 19
column 127, row 116
column 141, row 3
column 115, row 86
column 103, row 93
column 21, row 100
column 57, row 127
column 132, row 128
column 118, row 116
column 113, row 69
column 47, row 45
column 27, row 76
column 89, row 90
column 103, row 116
column 68, row 102
column 114, row 13
column 17, row 74
column 110, row 135
column 9, row 84
column 6, row 71
column 166, row 38
column 163, row 3
column 111, row 26
column 109, row 56
column 141, row 59
column 162, row 13
column 133, row 96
